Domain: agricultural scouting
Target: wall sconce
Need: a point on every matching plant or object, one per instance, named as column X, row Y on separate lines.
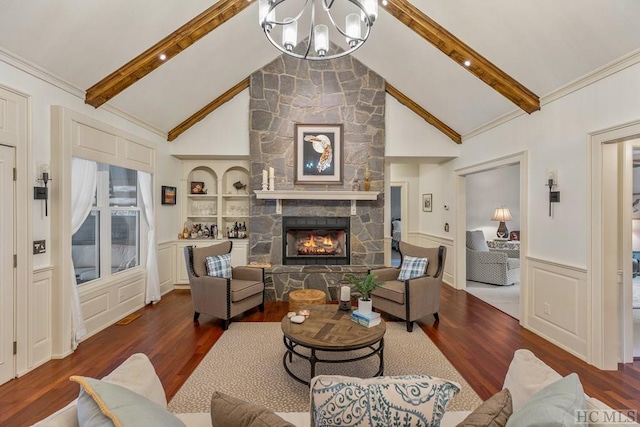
column 42, row 193
column 552, row 181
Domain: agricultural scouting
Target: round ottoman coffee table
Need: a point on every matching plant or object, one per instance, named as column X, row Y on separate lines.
column 302, row 298
column 328, row 329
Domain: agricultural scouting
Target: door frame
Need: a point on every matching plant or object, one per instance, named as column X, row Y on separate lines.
column 404, row 206
column 22, row 141
column 460, row 194
column 609, row 323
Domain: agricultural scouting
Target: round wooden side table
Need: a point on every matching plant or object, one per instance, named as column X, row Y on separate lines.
column 305, row 297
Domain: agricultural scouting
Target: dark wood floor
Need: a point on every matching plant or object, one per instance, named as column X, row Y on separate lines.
column 478, row 340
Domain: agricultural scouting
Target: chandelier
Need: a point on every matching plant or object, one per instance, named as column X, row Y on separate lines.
column 344, row 23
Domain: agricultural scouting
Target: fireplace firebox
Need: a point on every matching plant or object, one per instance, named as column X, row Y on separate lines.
column 315, row 240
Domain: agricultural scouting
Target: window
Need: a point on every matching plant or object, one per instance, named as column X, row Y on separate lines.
column 116, row 214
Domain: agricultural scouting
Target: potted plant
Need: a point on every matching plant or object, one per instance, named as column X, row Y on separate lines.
column 365, row 285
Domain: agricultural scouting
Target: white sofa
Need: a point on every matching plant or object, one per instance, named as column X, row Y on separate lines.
column 526, row 376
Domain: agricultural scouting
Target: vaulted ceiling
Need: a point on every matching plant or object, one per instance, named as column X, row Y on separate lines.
column 520, row 51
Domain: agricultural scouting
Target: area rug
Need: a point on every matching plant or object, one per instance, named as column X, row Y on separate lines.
column 246, row 362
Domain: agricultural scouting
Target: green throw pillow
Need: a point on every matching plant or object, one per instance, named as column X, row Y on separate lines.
column 104, row 404
column 229, row 411
column 554, row 405
column 494, row 412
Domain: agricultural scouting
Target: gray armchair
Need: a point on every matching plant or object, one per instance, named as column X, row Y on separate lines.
column 220, row 297
column 415, row 298
column 493, row 267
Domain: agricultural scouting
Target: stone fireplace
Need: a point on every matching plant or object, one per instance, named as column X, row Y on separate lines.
column 341, row 91
column 315, row 241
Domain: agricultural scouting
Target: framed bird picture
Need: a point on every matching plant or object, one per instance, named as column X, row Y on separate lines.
column 318, row 154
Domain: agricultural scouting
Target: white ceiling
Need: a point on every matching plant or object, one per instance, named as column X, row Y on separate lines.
column 544, row 44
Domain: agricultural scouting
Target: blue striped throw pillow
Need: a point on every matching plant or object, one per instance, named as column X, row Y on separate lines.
column 219, row 266
column 412, row 267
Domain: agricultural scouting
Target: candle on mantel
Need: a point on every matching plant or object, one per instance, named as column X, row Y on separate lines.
column 265, row 176
column 345, row 293
column 271, row 173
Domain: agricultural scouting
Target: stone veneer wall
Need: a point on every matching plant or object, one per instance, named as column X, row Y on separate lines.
column 289, row 91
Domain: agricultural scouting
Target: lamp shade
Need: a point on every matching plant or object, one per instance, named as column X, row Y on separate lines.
column 501, row 214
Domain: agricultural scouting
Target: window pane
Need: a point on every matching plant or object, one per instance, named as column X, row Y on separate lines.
column 85, row 249
column 125, row 240
column 123, row 187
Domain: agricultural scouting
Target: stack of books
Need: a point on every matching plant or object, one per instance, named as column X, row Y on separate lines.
column 367, row 320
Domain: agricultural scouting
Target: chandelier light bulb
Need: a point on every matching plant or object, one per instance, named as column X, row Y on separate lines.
column 354, row 32
column 265, row 17
column 290, row 34
column 321, row 36
column 371, row 8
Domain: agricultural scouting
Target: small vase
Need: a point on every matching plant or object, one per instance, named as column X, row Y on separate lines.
column 364, row 307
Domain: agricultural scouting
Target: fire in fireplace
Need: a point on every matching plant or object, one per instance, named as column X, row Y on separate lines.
column 315, row 240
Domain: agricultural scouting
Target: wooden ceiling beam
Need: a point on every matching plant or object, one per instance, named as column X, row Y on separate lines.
column 170, row 46
column 427, row 116
column 457, row 50
column 207, row 109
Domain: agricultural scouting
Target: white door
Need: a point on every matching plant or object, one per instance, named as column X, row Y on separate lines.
column 7, row 271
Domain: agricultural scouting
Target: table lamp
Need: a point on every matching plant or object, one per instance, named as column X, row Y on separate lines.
column 502, row 214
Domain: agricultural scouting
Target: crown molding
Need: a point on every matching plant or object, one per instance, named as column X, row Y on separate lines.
column 601, row 73
column 39, row 73
column 47, row 77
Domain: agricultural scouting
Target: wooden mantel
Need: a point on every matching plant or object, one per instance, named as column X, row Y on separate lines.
column 280, row 195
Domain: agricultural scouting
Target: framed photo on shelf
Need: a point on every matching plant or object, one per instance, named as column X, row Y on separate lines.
column 197, row 187
column 318, row 152
column 427, row 202
column 168, row 195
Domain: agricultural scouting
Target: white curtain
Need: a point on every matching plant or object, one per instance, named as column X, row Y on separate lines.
column 153, row 279
column 83, row 188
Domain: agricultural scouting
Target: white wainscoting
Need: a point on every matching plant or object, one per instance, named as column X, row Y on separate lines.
column 40, row 335
column 556, row 304
column 166, row 266
column 430, row 241
column 106, row 303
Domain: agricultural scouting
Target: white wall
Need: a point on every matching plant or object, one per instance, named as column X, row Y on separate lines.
column 489, row 190
column 42, row 96
column 225, row 132
column 408, row 135
column 555, row 138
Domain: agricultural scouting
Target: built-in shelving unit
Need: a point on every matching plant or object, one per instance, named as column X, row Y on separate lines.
column 225, row 202
column 279, row 195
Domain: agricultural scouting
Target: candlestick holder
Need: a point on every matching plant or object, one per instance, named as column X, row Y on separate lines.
column 265, row 186
column 272, row 184
column 344, row 305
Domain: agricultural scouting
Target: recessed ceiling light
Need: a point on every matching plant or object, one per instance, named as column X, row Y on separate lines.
column 163, row 57
column 385, row 2
column 467, row 63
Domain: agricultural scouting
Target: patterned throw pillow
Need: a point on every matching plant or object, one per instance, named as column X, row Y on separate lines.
column 412, row 267
column 415, row 400
column 219, row 266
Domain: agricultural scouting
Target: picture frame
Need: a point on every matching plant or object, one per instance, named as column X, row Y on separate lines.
column 197, row 187
column 318, row 153
column 427, row 202
column 168, row 195
column 635, row 206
